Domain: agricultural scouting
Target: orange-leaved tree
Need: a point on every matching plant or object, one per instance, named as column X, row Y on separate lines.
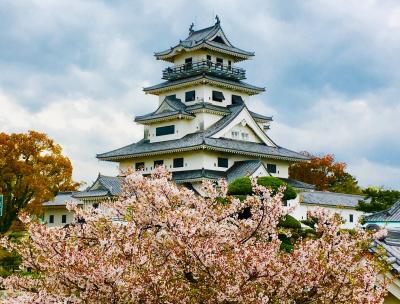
column 32, row 170
column 325, row 173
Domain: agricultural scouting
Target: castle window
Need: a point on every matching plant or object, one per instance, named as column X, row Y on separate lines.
column 190, row 96
column 245, row 136
column 188, row 63
column 220, row 62
column 271, row 168
column 208, row 57
column 229, row 64
column 235, row 134
column 351, row 218
column 158, row 163
column 51, row 218
column 218, row 96
column 236, row 99
column 64, row 219
column 160, row 131
column 139, row 166
column 222, row 162
column 178, row 162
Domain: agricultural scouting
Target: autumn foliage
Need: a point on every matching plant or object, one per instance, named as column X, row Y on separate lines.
column 171, row 246
column 32, row 170
column 325, row 173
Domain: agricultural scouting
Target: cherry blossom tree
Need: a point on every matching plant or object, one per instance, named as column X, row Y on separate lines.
column 173, row 246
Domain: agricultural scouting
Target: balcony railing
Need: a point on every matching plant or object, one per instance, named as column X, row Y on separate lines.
column 204, row 66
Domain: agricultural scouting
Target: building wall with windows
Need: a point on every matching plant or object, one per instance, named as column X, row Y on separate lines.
column 203, row 93
column 200, row 159
column 54, row 215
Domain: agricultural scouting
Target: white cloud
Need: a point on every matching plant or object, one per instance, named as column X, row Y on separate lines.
column 83, row 127
column 375, row 174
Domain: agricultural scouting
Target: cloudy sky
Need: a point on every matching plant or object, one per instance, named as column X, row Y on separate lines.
column 75, row 70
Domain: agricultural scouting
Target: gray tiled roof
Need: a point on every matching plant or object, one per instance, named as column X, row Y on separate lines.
column 242, row 168
column 103, row 186
column 390, row 215
column 61, row 198
column 391, row 244
column 198, row 140
column 197, row 174
column 179, row 108
column 297, row 184
column 203, row 36
column 261, row 117
column 330, row 198
column 172, row 83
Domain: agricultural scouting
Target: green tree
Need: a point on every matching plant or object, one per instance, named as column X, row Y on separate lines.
column 345, row 184
column 381, row 199
column 32, row 170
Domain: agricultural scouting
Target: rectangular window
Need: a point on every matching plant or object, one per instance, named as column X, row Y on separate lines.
column 236, row 99
column 208, row 57
column 222, row 162
column 190, row 96
column 173, row 96
column 64, row 219
column 235, row 134
column 229, row 64
column 218, row 96
column 178, row 162
column 188, row 63
column 271, row 168
column 220, row 62
column 139, row 166
column 158, row 163
column 245, row 136
column 51, row 218
column 351, row 218
column 160, row 131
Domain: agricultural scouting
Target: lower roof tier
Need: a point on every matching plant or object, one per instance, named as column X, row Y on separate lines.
column 199, row 140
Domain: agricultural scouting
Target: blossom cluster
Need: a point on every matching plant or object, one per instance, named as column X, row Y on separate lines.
column 171, row 245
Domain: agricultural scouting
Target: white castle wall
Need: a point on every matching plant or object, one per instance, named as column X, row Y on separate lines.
column 199, row 159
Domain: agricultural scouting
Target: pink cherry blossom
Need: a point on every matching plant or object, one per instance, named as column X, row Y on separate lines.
column 173, row 246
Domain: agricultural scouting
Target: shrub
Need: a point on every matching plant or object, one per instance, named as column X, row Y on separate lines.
column 242, row 186
column 289, row 222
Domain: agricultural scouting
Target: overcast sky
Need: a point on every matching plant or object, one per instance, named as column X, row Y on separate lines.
column 75, row 70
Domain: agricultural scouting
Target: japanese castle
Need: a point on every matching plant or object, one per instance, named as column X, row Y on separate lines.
column 202, row 128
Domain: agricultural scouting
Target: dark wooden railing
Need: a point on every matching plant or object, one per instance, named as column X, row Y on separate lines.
column 213, row 68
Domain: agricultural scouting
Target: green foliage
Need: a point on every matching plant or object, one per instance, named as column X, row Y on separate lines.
column 242, row 186
column 289, row 222
column 274, row 184
column 381, row 199
column 345, row 184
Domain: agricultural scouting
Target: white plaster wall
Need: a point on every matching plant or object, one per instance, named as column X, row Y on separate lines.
column 204, row 93
column 182, row 126
column 252, row 137
column 199, row 159
column 57, row 211
column 301, row 213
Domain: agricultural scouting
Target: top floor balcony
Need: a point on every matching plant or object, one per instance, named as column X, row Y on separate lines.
column 203, row 66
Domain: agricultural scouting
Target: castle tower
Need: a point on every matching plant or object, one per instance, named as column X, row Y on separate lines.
column 202, row 128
